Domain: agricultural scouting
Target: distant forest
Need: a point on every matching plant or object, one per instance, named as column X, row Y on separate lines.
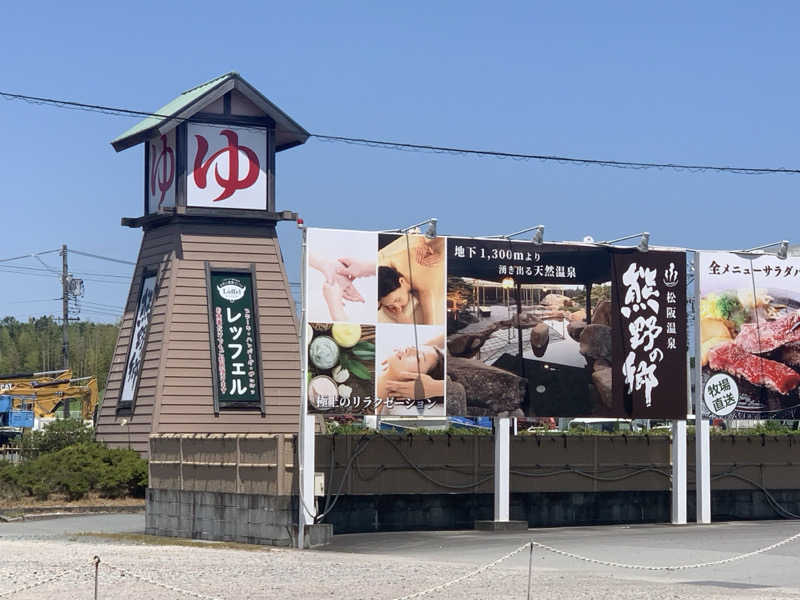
column 36, row 346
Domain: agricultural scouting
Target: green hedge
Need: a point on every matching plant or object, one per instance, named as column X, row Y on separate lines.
column 69, row 463
column 75, row 471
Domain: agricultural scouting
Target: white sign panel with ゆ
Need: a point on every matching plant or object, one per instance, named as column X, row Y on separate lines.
column 227, row 167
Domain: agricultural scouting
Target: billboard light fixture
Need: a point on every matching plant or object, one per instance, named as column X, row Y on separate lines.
column 783, row 248
column 538, row 235
column 642, row 246
column 644, row 242
column 430, row 231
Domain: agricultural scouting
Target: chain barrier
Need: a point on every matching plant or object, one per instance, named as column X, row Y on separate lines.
column 670, row 567
column 467, row 576
column 95, row 562
column 41, row 582
column 126, row 573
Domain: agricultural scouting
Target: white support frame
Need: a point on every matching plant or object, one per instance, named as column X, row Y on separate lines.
column 702, row 441
column 502, row 468
column 678, row 447
column 305, row 446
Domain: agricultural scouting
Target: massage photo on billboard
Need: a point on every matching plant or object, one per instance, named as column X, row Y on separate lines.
column 749, row 316
column 406, row 325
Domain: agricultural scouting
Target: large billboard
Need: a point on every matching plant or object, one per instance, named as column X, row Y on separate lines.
column 400, row 324
column 749, row 330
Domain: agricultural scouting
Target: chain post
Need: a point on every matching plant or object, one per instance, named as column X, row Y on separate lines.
column 96, row 561
column 530, row 569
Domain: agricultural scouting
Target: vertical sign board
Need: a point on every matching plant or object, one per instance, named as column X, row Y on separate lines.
column 649, row 295
column 133, row 365
column 234, row 339
column 401, row 325
column 749, row 319
column 227, row 167
column 161, row 170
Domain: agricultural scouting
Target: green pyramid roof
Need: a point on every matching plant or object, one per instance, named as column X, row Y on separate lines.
column 287, row 132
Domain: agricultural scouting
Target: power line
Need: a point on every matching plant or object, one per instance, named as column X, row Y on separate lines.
column 619, row 164
column 34, row 254
column 101, row 305
column 31, row 301
column 427, row 148
column 90, row 255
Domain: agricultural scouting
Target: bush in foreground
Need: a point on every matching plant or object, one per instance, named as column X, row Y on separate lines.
column 78, row 469
column 57, row 435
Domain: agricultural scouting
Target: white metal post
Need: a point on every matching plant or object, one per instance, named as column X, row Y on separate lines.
column 702, row 441
column 307, row 508
column 305, row 446
column 702, row 468
column 502, row 468
column 679, row 472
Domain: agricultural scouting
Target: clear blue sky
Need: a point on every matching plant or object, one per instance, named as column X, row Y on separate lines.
column 711, row 82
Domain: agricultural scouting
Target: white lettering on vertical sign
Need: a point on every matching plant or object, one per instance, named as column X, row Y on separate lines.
column 133, row 367
column 161, row 172
column 640, row 309
column 227, row 167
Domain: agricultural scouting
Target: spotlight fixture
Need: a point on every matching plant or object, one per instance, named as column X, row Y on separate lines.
column 644, row 242
column 430, row 232
column 538, row 236
column 783, row 248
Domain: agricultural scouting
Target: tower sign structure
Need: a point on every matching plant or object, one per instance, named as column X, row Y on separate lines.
column 209, row 337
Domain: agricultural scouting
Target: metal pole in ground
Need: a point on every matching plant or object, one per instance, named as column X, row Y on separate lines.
column 702, row 427
column 502, row 467
column 530, row 570
column 678, row 447
column 96, row 574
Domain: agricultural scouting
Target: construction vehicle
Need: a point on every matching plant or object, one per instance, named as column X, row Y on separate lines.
column 29, row 400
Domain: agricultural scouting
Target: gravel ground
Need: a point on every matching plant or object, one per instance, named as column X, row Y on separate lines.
column 209, row 572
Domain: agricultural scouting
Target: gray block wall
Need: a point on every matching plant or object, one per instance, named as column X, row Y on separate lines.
column 229, row 517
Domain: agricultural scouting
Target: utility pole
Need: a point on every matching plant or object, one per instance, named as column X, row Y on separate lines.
column 64, row 306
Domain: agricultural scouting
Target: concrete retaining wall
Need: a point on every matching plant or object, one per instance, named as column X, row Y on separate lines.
column 243, row 487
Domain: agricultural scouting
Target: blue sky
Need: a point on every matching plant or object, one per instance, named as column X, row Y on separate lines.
column 686, row 82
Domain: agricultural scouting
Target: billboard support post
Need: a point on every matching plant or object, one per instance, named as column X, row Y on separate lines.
column 502, row 468
column 702, row 426
column 305, row 446
column 678, row 472
column 703, row 469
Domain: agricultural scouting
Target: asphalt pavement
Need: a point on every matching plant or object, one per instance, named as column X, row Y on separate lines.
column 764, row 575
column 644, row 545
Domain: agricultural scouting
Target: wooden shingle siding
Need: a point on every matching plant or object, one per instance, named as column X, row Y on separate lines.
column 156, row 254
column 175, row 392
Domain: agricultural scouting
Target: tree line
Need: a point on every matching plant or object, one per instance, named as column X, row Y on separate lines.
column 37, row 346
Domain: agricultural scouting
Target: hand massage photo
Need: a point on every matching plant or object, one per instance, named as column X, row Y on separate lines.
column 341, row 277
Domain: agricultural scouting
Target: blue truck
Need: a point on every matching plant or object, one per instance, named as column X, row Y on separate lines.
column 14, row 420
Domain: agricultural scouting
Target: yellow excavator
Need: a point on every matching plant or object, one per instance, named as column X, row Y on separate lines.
column 45, row 392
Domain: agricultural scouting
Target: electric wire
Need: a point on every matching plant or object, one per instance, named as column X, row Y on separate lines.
column 100, row 257
column 425, row 148
column 4, row 260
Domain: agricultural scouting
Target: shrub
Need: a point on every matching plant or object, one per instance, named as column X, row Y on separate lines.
column 125, row 474
column 57, row 435
column 78, row 469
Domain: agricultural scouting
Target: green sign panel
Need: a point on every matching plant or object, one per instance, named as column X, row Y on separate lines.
column 234, row 340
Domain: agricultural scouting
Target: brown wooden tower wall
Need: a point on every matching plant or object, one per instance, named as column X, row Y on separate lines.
column 175, row 386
